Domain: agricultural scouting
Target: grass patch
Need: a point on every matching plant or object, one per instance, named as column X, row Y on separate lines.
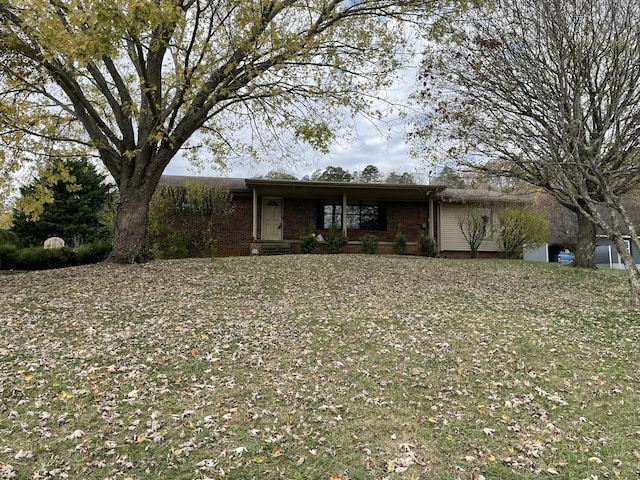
column 316, row 367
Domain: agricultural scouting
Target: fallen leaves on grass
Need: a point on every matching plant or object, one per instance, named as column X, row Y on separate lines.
column 302, row 366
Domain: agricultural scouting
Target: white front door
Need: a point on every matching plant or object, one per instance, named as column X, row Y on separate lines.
column 271, row 219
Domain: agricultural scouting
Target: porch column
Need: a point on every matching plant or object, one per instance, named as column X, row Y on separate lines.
column 431, row 210
column 255, row 215
column 344, row 213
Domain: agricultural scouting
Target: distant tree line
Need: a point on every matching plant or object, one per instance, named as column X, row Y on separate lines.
column 370, row 174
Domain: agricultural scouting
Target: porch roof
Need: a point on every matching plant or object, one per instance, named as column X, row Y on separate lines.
column 310, row 189
column 363, row 191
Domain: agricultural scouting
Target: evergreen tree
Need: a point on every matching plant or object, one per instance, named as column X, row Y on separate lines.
column 71, row 209
column 370, row 174
column 405, row 179
column 332, row 174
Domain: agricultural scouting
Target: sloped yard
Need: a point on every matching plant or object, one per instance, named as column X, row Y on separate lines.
column 319, row 367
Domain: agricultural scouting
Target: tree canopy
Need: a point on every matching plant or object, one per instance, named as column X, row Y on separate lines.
column 404, row 178
column 550, row 89
column 332, row 174
column 278, row 175
column 132, row 82
column 370, row 174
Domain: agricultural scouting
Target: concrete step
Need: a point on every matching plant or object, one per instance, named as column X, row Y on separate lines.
column 276, row 248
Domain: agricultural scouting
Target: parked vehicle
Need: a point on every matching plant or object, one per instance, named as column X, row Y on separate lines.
column 565, row 257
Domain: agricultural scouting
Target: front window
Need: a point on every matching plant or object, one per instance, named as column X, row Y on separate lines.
column 332, row 214
column 360, row 216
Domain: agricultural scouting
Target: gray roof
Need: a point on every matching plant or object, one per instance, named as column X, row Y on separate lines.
column 234, row 184
column 302, row 188
column 461, row 195
column 309, row 189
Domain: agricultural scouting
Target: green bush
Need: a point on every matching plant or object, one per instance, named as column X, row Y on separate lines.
column 93, row 253
column 39, row 258
column 335, row 240
column 7, row 237
column 308, row 242
column 400, row 245
column 186, row 221
column 8, row 255
column 370, row 244
column 426, row 246
column 167, row 241
column 518, row 227
column 173, row 246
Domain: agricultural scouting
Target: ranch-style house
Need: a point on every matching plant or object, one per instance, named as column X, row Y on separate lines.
column 269, row 216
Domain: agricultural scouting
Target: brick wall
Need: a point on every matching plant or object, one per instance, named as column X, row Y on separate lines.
column 234, row 234
column 299, row 214
column 407, row 217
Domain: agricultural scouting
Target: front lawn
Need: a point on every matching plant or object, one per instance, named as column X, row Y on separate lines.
column 319, row 367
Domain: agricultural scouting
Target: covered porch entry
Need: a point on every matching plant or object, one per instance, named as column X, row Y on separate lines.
column 283, row 210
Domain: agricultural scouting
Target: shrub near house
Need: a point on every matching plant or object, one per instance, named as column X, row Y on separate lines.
column 335, row 239
column 520, row 227
column 186, row 221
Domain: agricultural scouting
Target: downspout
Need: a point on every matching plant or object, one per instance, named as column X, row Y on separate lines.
column 255, row 215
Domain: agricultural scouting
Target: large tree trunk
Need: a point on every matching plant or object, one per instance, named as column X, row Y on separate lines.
column 617, row 221
column 130, row 235
column 585, row 243
column 619, row 215
column 633, row 274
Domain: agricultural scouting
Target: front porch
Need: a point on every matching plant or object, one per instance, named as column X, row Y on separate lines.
column 282, row 211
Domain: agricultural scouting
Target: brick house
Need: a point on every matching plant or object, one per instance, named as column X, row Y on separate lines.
column 270, row 215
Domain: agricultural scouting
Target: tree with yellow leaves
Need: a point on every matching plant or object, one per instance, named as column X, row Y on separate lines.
column 137, row 82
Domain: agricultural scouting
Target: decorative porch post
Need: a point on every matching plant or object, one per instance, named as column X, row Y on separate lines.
column 344, row 213
column 431, row 210
column 255, row 215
